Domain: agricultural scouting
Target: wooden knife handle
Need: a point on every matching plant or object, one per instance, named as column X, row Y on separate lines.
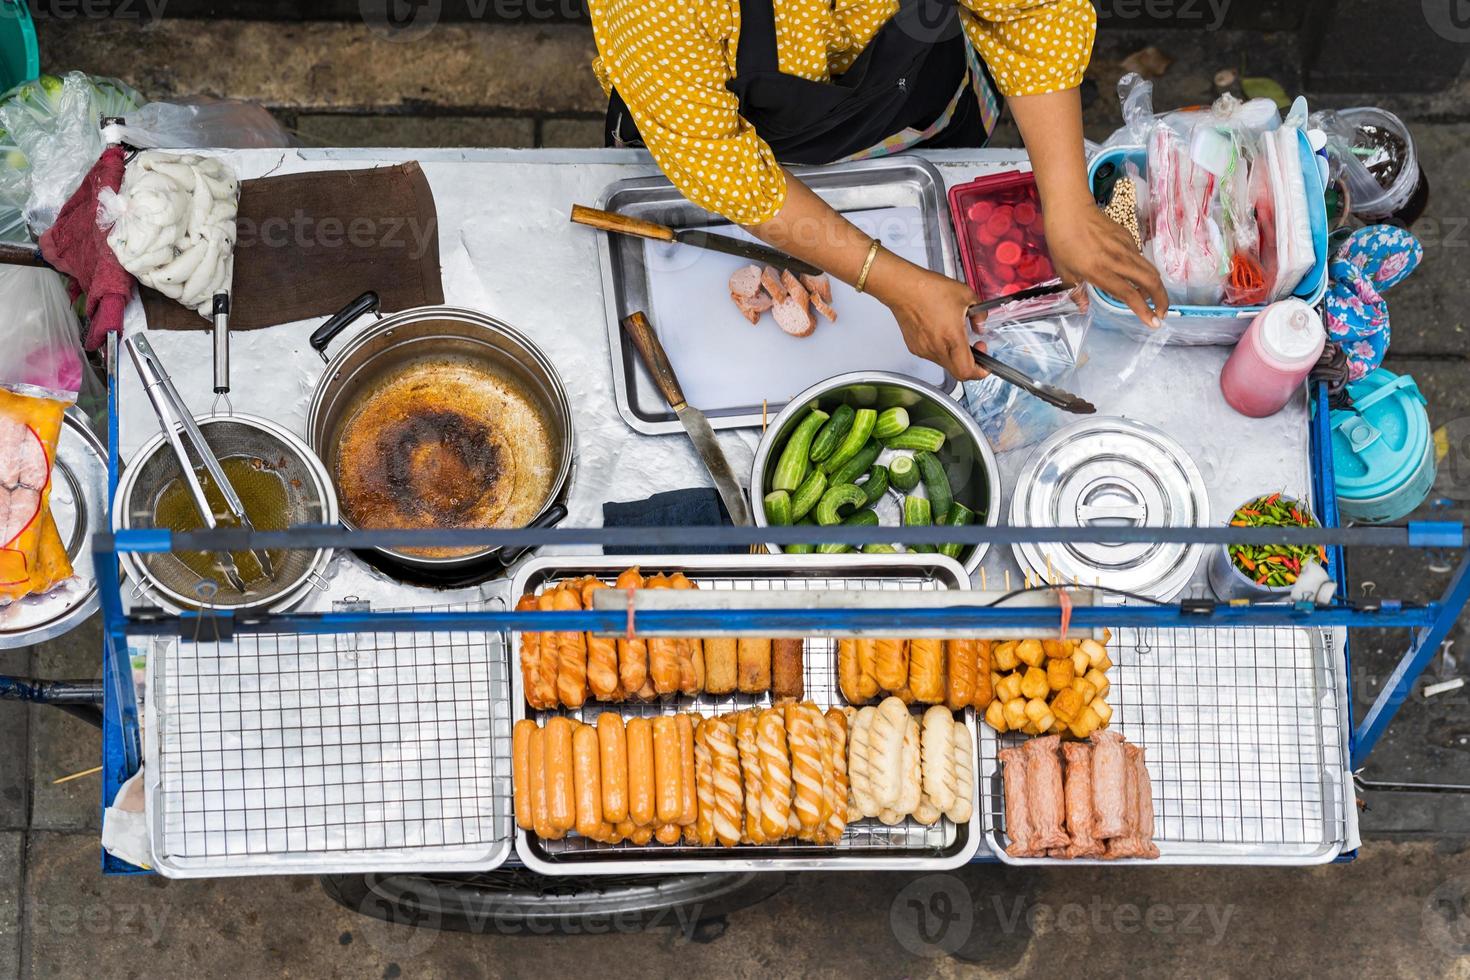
column 654, row 358
column 15, row 254
column 620, row 223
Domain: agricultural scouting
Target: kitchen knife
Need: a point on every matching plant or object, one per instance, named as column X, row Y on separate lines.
column 1050, row 394
column 622, row 224
column 695, row 424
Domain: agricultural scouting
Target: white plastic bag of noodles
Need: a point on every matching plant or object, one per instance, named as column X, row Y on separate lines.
column 1042, row 337
column 48, row 141
column 172, row 225
column 199, row 121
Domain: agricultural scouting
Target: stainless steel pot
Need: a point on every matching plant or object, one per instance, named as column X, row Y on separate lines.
column 968, row 459
column 401, row 339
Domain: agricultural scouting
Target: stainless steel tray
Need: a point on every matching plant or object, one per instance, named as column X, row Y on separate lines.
column 1245, row 737
column 322, row 754
column 857, row 186
column 867, row 844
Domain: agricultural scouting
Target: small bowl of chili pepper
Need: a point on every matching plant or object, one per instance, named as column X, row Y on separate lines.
column 1257, row 571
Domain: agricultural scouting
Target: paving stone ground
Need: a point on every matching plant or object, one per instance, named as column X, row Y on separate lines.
column 1399, row 910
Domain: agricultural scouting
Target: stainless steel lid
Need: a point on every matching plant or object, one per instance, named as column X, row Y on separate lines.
column 1111, row 472
column 79, row 507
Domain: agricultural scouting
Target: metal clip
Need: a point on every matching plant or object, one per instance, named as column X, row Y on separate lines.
column 347, row 645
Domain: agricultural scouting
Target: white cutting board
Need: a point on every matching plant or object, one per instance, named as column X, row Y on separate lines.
column 723, row 362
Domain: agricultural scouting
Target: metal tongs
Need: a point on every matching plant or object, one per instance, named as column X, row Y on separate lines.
column 1048, row 393
column 178, row 426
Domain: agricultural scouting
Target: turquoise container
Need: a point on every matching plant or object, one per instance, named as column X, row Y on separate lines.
column 20, row 58
column 1382, row 450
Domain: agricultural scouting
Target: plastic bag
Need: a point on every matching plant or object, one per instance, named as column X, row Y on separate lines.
column 1281, row 206
column 199, row 122
column 172, row 225
column 1042, row 337
column 1185, row 241
column 43, row 345
column 32, row 556
column 51, row 124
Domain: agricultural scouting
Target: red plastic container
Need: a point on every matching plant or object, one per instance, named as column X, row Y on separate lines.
column 997, row 221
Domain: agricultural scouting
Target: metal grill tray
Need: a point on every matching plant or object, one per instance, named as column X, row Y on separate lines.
column 278, row 754
column 867, row 844
column 1245, row 737
column 902, row 181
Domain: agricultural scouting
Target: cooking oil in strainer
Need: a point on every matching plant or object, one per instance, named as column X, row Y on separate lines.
column 267, row 505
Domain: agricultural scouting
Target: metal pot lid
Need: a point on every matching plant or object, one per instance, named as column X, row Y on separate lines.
column 1111, row 472
column 79, row 507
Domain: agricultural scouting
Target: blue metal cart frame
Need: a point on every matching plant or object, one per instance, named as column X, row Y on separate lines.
column 1428, row 623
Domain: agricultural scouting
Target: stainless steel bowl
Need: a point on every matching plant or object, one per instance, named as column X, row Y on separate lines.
column 431, row 332
column 170, row 584
column 968, row 459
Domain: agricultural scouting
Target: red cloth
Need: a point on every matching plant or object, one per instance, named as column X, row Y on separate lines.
column 76, row 246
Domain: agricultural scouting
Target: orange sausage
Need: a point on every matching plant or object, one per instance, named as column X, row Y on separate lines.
column 571, row 671
column 632, row 654
column 587, row 781
column 668, row 770
column 602, row 653
column 691, row 651
column 561, row 812
column 640, row 835
column 641, row 794
column 530, row 656
column 550, row 655
column 521, row 772
column 535, row 758
column 613, row 746
column 664, row 653
column 668, row 833
column 689, row 811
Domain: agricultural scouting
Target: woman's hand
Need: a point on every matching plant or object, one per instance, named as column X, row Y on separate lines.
column 930, row 310
column 1088, row 246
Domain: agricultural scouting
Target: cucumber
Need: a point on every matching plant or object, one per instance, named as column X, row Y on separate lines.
column 792, row 466
column 903, row 473
column 798, row 549
column 865, row 457
column 808, row 494
column 917, row 437
column 936, row 484
column 879, row 549
column 856, row 439
column 829, row 508
column 866, row 517
column 891, row 422
column 833, row 549
column 876, row 485
column 830, row 435
column 778, row 508
column 916, row 513
column 959, row 516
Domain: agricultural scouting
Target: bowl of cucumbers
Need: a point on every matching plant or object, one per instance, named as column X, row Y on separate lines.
column 878, row 449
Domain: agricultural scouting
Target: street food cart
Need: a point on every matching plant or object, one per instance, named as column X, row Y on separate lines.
column 369, row 726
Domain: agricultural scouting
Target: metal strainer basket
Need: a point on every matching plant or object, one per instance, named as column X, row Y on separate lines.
column 310, row 500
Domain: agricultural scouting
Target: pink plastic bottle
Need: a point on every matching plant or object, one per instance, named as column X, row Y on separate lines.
column 1278, row 351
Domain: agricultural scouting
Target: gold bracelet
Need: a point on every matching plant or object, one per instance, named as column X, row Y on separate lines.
column 862, row 280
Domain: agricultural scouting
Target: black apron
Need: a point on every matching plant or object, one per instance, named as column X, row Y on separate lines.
column 904, row 78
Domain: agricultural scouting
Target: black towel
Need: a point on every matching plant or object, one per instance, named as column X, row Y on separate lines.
column 694, row 507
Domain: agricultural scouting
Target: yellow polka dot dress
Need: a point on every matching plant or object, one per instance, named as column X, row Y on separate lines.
column 670, row 60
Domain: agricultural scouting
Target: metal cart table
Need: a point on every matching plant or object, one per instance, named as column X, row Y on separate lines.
column 506, row 246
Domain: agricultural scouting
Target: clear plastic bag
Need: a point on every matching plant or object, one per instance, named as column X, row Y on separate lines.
column 1042, row 337
column 200, row 122
column 51, row 124
column 42, row 352
column 1185, row 242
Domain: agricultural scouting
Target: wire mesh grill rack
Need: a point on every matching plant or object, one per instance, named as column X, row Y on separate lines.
column 275, row 753
column 908, row 844
column 1245, row 735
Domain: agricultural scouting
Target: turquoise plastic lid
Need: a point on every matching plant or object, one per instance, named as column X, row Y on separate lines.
column 1379, row 444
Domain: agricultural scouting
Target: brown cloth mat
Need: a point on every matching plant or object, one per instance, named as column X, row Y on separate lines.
column 310, row 243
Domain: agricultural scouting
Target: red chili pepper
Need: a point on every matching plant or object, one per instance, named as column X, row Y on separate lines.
column 1250, row 566
column 1261, row 579
column 1294, row 564
column 1272, row 499
column 1249, row 513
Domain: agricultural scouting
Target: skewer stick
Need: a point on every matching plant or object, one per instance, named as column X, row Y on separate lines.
column 77, row 775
